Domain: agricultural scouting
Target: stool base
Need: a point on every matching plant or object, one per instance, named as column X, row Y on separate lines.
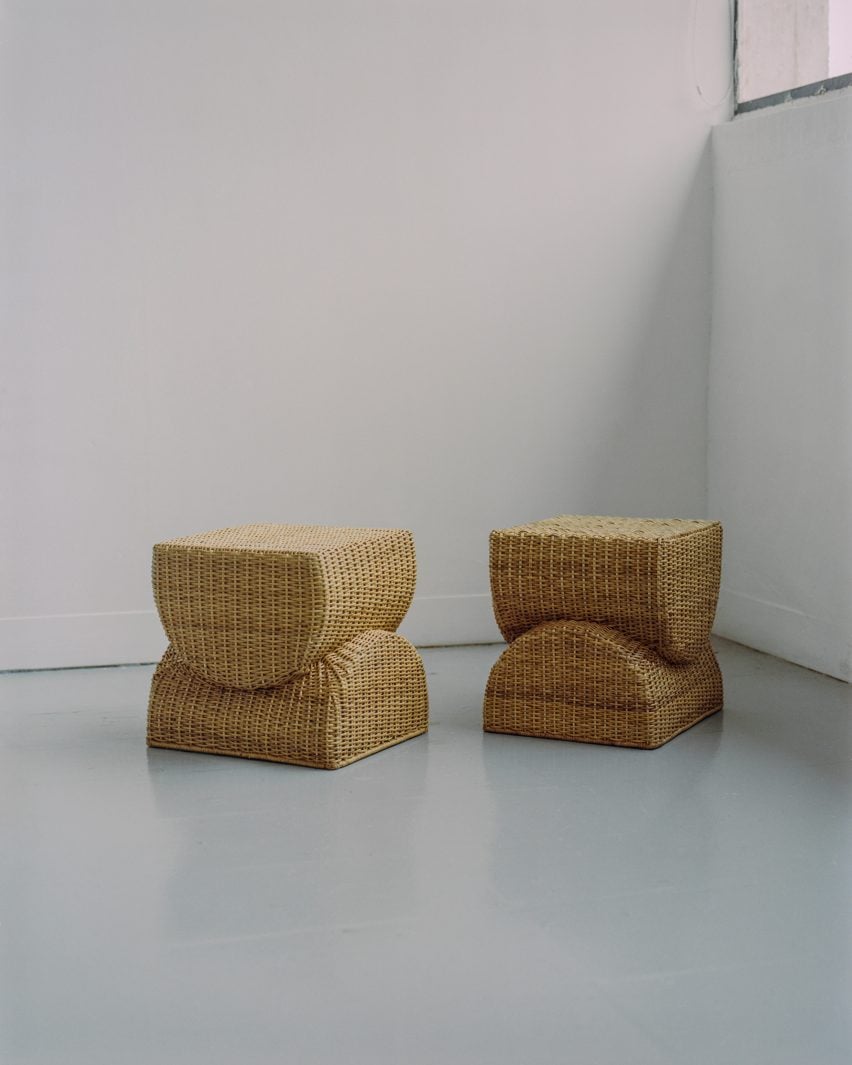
column 586, row 682
column 367, row 695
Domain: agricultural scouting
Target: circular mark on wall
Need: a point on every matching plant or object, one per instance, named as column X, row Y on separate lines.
column 712, row 34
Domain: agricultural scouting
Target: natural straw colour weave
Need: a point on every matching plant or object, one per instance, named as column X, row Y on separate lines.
column 609, row 624
column 365, row 696
column 251, row 606
column 572, row 680
column 657, row 581
column 283, row 645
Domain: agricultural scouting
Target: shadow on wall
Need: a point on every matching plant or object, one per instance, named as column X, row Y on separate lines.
column 780, row 434
column 652, row 460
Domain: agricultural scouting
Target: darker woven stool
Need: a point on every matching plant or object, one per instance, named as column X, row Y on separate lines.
column 283, row 644
column 608, row 622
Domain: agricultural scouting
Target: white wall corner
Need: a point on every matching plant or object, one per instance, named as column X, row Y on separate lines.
column 821, row 644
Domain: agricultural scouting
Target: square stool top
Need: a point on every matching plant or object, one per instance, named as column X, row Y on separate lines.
column 250, row 606
column 655, row 580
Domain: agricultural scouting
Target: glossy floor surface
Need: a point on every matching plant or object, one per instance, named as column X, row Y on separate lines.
column 462, row 898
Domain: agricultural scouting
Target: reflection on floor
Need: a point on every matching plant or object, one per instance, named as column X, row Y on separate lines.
column 462, row 898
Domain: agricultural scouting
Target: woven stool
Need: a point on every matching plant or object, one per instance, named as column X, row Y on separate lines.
column 283, row 645
column 608, row 622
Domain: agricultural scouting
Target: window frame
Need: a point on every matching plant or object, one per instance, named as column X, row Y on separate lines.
column 785, row 96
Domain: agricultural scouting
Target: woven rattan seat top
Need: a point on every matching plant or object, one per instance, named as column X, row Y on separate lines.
column 289, row 539
column 579, row 525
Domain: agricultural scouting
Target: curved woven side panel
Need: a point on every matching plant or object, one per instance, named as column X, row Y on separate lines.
column 368, row 584
column 690, row 572
column 368, row 695
column 656, row 581
column 579, row 681
column 252, row 606
column 382, row 693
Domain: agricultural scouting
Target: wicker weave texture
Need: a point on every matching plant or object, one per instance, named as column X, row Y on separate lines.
column 252, row 606
column 654, row 580
column 579, row 681
column 368, row 694
column 608, row 622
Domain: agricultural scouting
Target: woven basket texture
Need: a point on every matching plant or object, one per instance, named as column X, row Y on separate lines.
column 608, row 622
column 251, row 606
column 366, row 695
column 580, row 681
column 656, row 581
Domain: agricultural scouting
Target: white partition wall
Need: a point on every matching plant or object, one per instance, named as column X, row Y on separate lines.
column 443, row 265
column 780, row 431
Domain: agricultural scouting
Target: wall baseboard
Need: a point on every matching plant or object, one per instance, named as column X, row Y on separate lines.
column 123, row 637
column 61, row 641
column 818, row 643
column 129, row 636
column 450, row 620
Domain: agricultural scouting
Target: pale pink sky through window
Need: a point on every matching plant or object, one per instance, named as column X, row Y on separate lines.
column 839, row 37
column 783, row 44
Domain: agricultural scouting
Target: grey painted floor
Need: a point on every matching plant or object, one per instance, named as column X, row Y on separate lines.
column 460, row 898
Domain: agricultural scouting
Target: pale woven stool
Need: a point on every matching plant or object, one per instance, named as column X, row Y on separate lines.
column 608, row 622
column 283, row 644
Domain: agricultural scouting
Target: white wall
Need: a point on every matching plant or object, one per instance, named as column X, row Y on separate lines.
column 780, row 434
column 442, row 264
